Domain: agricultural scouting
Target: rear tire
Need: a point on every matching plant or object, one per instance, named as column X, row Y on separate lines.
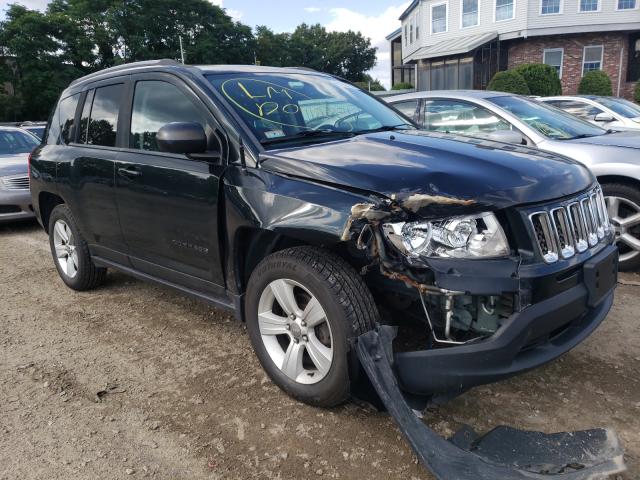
column 304, row 306
column 71, row 253
column 623, row 206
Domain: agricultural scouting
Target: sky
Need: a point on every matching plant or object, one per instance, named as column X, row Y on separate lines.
column 374, row 18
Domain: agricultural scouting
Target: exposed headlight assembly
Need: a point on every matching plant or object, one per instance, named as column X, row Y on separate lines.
column 474, row 236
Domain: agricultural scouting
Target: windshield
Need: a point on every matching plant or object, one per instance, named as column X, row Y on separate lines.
column 15, row 141
column 620, row 106
column 547, row 120
column 287, row 108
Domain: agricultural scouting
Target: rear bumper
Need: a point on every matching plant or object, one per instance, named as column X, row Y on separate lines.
column 15, row 205
column 530, row 338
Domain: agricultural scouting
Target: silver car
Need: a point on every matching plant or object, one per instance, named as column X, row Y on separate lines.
column 608, row 112
column 15, row 198
column 614, row 157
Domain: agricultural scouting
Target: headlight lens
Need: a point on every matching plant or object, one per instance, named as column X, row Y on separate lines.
column 475, row 236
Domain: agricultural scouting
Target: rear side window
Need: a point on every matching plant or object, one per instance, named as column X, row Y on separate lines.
column 61, row 128
column 103, row 121
column 155, row 104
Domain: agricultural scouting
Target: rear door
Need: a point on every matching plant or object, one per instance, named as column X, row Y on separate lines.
column 168, row 203
column 87, row 167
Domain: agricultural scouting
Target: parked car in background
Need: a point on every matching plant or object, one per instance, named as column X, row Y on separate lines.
column 15, row 147
column 36, row 128
column 608, row 112
column 293, row 199
column 614, row 157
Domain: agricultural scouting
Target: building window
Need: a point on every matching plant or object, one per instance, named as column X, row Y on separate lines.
column 589, row 5
column 469, row 13
column 626, row 4
column 439, row 18
column 406, row 35
column 505, row 10
column 553, row 57
column 417, row 28
column 549, row 7
column 592, row 59
column 411, row 31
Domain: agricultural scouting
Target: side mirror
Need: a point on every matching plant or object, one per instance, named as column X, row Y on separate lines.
column 604, row 117
column 182, row 137
column 507, row 136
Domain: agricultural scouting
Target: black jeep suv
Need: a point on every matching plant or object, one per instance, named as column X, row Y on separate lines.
column 314, row 212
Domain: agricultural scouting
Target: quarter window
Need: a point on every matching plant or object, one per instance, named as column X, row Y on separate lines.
column 408, row 108
column 451, row 116
column 505, row 10
column 469, row 13
column 548, row 7
column 592, row 59
column 439, row 18
column 155, row 104
column 553, row 57
column 626, row 4
column 589, row 5
column 61, row 126
column 103, row 121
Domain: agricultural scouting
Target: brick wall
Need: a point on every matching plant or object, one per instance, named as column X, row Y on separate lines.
column 531, row 51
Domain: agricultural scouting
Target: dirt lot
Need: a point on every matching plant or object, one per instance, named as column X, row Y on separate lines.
column 183, row 397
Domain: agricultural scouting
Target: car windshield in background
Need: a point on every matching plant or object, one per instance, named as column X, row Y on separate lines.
column 547, row 120
column 14, row 141
column 620, row 106
column 292, row 108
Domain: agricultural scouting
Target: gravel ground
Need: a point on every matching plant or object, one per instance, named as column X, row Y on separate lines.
column 133, row 381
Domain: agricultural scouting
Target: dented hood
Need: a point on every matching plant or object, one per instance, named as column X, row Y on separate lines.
column 482, row 172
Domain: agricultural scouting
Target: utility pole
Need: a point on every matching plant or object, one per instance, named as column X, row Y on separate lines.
column 181, row 49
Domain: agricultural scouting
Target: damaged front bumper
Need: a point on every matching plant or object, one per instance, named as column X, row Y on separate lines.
column 504, row 453
column 529, row 338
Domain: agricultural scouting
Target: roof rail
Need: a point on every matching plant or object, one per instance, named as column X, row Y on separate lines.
column 124, row 66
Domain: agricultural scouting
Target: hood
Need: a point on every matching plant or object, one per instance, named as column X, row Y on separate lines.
column 627, row 139
column 451, row 170
column 13, row 164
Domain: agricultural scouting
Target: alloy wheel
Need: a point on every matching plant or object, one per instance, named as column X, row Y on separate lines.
column 295, row 331
column 625, row 220
column 65, row 247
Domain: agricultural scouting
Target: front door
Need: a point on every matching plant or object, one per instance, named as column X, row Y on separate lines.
column 168, row 203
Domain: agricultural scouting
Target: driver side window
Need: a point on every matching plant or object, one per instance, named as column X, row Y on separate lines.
column 454, row 116
column 576, row 108
column 155, row 104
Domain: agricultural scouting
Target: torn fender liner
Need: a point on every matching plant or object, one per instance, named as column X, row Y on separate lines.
column 502, row 454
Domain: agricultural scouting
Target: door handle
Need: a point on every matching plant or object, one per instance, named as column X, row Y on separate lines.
column 129, row 172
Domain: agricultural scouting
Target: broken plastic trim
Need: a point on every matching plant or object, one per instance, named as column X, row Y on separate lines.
column 502, row 454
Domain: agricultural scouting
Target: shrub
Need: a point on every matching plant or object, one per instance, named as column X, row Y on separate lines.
column 540, row 78
column 509, row 81
column 595, row 82
column 636, row 93
column 402, row 86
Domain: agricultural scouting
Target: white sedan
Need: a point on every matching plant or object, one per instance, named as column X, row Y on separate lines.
column 608, row 112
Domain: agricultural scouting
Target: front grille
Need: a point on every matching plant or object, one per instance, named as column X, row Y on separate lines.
column 561, row 231
column 17, row 182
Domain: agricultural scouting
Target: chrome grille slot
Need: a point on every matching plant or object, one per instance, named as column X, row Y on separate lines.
column 562, row 231
column 579, row 227
column 590, row 221
column 16, row 182
column 545, row 235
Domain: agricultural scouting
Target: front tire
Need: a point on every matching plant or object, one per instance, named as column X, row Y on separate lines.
column 304, row 306
column 71, row 252
column 623, row 207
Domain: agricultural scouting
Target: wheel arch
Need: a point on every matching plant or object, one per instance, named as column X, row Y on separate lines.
column 47, row 201
column 602, row 179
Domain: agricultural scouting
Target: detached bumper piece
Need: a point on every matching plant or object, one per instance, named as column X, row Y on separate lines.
column 502, row 454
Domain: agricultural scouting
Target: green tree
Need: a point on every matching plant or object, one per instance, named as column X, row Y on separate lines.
column 402, row 86
column 636, row 93
column 367, row 82
column 595, row 82
column 509, row 81
column 541, row 79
